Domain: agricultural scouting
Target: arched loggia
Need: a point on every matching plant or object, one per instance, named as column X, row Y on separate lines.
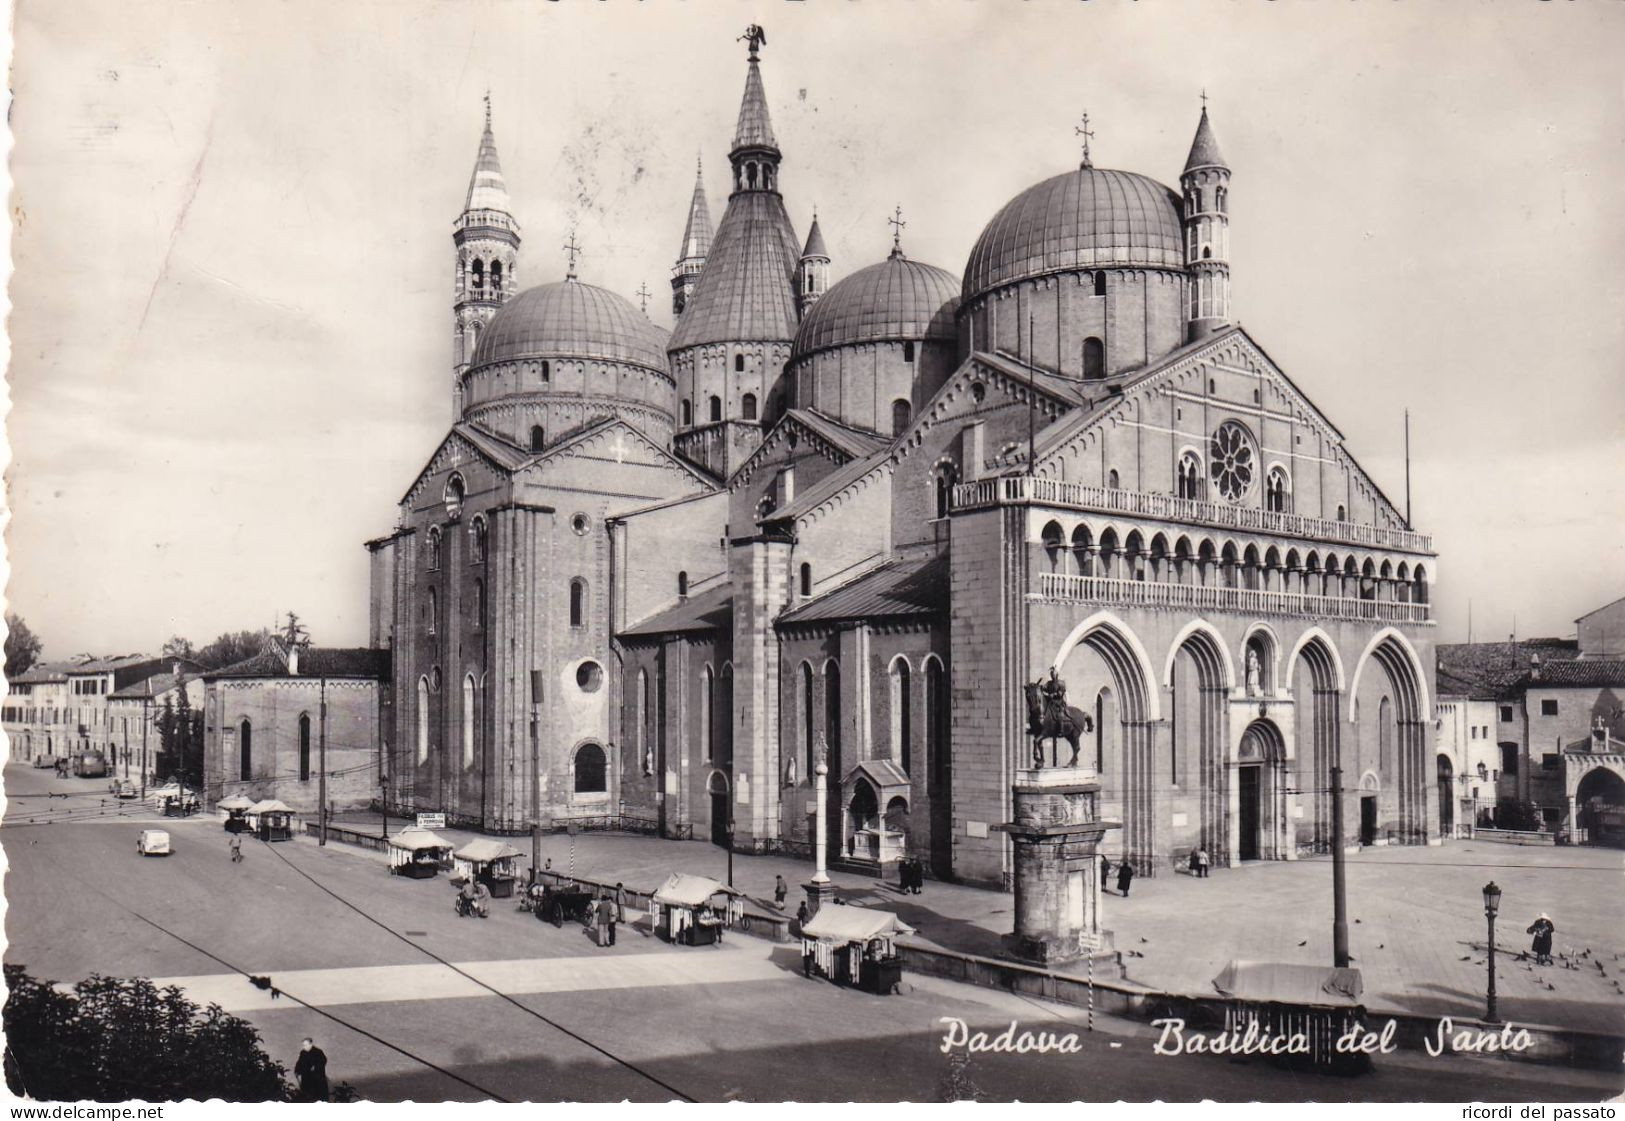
column 1198, row 680
column 1317, row 682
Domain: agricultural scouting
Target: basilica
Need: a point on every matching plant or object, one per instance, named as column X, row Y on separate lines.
column 652, row 580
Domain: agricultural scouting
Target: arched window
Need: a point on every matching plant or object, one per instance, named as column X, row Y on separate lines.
column 747, row 406
column 1054, row 541
column 1190, row 476
column 468, row 720
column 739, row 363
column 936, row 722
column 423, row 719
column 434, row 611
column 434, row 548
column 641, row 722
column 304, row 747
column 245, row 748
column 479, row 604
column 725, row 713
column 479, row 273
column 832, row 714
column 1094, row 359
column 590, row 770
column 902, row 728
column 943, row 492
column 1112, row 480
column 1220, row 198
column 806, row 579
column 1100, row 283
column 1082, row 561
column 688, row 412
column 900, row 410
column 682, row 583
column 479, row 532
column 809, row 732
column 1419, row 585
column 908, row 352
column 716, row 406
column 547, row 370
column 538, row 438
column 708, row 712
column 1277, row 491
column 578, row 602
column 1342, row 514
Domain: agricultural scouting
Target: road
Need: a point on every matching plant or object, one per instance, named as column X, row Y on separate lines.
column 524, row 1011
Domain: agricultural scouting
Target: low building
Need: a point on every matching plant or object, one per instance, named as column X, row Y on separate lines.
column 35, row 713
column 133, row 720
column 271, row 720
column 91, row 681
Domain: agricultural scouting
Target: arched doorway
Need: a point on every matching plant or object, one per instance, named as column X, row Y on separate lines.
column 1447, row 800
column 1599, row 808
column 1200, row 680
column 717, row 785
column 1260, row 792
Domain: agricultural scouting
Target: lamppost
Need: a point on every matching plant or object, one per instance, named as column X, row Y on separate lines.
column 1492, row 904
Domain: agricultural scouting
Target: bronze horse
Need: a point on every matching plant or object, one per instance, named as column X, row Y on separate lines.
column 1042, row 725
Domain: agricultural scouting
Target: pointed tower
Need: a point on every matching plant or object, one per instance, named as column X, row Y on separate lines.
column 814, row 279
column 487, row 241
column 685, row 274
column 1206, row 185
column 729, row 348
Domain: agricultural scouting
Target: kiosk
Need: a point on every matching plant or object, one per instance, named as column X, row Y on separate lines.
column 854, row 946
column 418, row 854
column 1319, row 1002
column 233, row 813
column 490, row 862
column 271, row 819
column 692, row 910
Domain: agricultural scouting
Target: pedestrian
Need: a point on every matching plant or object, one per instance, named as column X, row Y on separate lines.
column 1105, row 869
column 802, row 915
column 607, row 917
column 1542, row 929
column 1202, row 862
column 1125, row 876
column 620, row 903
column 236, row 846
column 311, row 1070
column 1193, row 865
column 547, row 865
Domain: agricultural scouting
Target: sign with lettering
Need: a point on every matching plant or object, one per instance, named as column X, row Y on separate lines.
column 431, row 821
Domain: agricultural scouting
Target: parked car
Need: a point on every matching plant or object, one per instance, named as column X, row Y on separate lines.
column 45, row 760
column 122, row 788
column 153, row 842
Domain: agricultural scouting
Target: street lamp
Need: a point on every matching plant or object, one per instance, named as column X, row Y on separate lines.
column 1492, row 904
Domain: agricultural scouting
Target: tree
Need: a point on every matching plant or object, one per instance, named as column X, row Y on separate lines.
column 233, row 646
column 114, row 1039
column 178, row 647
column 166, row 763
column 188, row 731
column 22, row 647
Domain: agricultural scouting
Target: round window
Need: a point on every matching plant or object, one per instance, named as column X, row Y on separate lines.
column 1234, row 461
column 454, row 493
column 590, row 677
column 978, row 391
column 580, row 524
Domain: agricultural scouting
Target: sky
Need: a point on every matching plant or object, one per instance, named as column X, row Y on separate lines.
column 231, row 323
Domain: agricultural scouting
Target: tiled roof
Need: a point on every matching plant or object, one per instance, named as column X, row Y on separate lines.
column 44, row 672
column 710, row 610
column 487, row 189
column 495, row 447
column 108, row 665
column 1485, row 670
column 1581, row 673
column 156, row 685
column 829, row 485
column 815, row 241
column 1205, row 147
column 314, row 661
column 899, row 587
column 895, row 299
column 852, row 441
column 697, row 234
column 755, row 129
column 1087, row 218
column 745, row 292
column 569, row 319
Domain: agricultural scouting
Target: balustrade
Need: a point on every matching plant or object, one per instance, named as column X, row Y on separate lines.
column 1140, row 593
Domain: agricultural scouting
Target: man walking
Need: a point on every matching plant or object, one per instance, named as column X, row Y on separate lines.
column 1105, row 870
column 236, row 846
column 607, row 918
column 780, row 890
column 311, row 1070
column 1125, row 876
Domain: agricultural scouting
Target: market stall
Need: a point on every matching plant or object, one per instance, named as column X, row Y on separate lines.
column 1284, row 999
column 692, row 910
column 492, row 863
column 233, row 813
column 854, row 946
column 418, row 854
column 271, row 820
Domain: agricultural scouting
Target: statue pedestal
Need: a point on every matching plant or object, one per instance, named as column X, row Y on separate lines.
column 1057, row 833
column 818, row 894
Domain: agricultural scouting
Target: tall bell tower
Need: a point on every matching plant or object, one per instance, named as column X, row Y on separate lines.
column 1206, row 185
column 486, row 238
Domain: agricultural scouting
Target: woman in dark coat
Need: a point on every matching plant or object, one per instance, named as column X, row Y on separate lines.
column 1125, row 876
column 1542, row 930
column 311, row 1070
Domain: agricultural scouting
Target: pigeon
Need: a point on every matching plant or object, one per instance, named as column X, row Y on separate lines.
column 1305, row 942
column 1146, row 940
column 1467, row 957
column 1382, row 946
column 1356, row 920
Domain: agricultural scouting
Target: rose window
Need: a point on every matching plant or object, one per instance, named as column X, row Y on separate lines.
column 1234, row 461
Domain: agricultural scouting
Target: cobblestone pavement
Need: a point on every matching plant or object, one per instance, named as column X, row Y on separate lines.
column 1416, row 918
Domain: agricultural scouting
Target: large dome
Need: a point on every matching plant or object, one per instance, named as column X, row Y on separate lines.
column 569, row 319
column 897, row 299
column 1088, row 218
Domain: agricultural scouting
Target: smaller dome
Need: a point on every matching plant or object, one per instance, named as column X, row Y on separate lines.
column 898, row 299
column 569, row 319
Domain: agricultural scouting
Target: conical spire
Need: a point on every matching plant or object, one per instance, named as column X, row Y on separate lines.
column 755, row 128
column 697, row 234
column 815, row 241
column 487, row 189
column 1205, row 148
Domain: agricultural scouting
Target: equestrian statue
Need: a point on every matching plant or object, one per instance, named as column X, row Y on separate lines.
column 1050, row 717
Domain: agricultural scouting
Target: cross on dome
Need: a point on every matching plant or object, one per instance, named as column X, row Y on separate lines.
column 572, row 249
column 643, row 297
column 897, row 224
column 1084, row 131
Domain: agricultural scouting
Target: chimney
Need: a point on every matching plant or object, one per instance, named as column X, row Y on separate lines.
column 293, row 660
column 1534, row 667
column 787, row 482
column 972, row 439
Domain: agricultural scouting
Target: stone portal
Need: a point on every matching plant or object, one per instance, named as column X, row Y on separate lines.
column 1057, row 834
